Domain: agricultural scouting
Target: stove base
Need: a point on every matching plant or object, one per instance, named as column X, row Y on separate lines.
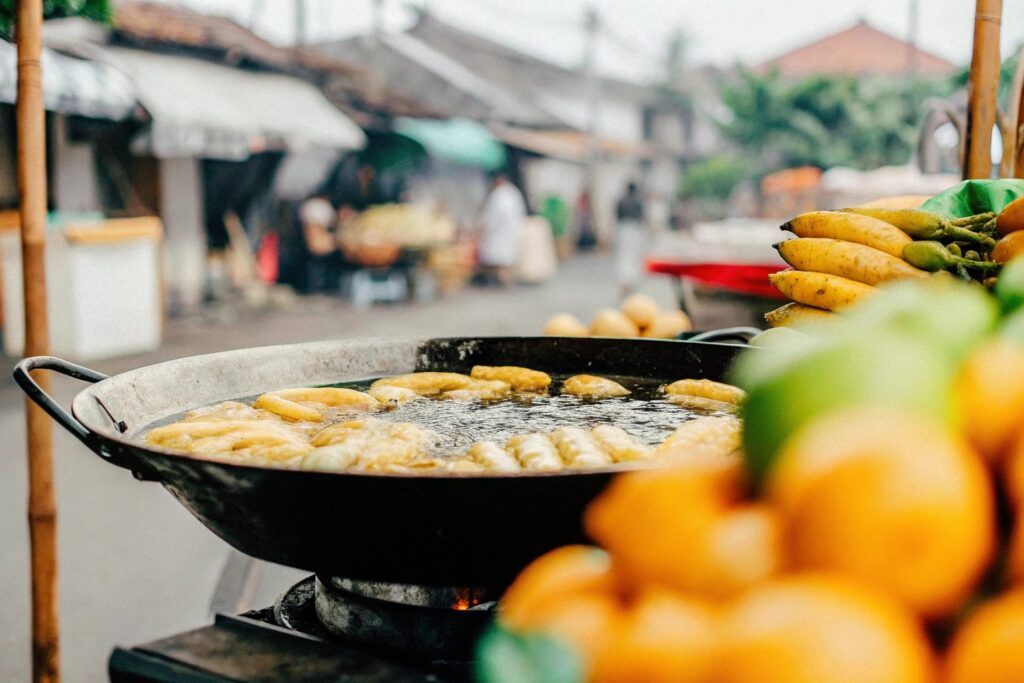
column 242, row 650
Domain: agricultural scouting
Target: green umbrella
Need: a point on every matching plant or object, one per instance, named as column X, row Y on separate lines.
column 459, row 141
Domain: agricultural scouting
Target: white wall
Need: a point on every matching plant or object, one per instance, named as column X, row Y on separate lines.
column 185, row 235
column 74, row 174
column 618, row 120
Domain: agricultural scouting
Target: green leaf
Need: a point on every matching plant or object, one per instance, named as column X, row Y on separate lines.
column 97, row 10
column 972, row 197
column 507, row 657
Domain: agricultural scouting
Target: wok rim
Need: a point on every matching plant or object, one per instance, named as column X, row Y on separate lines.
column 134, row 445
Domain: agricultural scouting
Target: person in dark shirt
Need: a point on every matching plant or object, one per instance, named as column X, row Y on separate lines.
column 630, row 240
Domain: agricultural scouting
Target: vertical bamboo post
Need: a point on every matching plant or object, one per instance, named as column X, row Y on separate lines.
column 982, row 89
column 42, row 509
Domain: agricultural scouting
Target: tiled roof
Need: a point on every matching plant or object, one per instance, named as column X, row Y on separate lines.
column 860, row 50
column 151, row 25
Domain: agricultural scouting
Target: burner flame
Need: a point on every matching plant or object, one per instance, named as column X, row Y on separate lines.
column 462, row 604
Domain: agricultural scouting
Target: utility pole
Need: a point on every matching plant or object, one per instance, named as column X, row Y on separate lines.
column 378, row 20
column 256, row 8
column 592, row 94
column 300, row 22
column 912, row 40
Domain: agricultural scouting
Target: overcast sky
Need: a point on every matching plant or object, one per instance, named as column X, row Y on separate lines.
column 720, row 31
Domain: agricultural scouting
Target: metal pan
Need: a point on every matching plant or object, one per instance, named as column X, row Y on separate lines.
column 468, row 529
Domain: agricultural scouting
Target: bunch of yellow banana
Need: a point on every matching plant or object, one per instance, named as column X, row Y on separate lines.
column 837, row 259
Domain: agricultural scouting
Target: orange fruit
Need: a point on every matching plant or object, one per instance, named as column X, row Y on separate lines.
column 1008, row 247
column 990, row 393
column 663, row 638
column 889, row 498
column 903, row 201
column 673, row 528
column 1011, row 218
column 555, row 576
column 1015, row 553
column 589, row 622
column 821, row 629
column 989, row 647
column 1013, row 472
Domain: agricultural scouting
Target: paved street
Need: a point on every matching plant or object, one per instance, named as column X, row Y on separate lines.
column 134, row 564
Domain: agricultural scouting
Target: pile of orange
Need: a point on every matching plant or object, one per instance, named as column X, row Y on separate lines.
column 881, row 547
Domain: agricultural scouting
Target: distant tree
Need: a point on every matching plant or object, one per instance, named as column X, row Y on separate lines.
column 98, row 10
column 713, row 178
column 823, row 120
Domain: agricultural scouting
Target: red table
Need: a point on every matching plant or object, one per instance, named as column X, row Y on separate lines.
column 740, row 278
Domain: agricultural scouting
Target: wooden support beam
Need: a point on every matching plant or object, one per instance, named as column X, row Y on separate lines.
column 982, row 89
column 42, row 508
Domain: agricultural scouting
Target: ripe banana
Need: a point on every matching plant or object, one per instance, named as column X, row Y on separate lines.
column 820, row 290
column 846, row 259
column 796, row 314
column 850, row 227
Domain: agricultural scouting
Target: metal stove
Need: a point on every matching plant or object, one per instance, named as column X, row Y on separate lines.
column 325, row 629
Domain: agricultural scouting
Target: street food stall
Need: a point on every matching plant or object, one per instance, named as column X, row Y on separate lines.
column 839, row 499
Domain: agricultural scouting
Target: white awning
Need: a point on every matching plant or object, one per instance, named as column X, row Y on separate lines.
column 72, row 86
column 208, row 110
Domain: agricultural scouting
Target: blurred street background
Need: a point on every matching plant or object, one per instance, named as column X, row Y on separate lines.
column 235, row 173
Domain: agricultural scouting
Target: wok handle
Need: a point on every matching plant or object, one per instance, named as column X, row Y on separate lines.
column 727, row 333
column 22, row 375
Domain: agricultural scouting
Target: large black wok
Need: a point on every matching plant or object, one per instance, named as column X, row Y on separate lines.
column 468, row 530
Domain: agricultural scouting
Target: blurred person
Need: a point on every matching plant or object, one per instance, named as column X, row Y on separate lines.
column 631, row 237
column 501, row 226
column 556, row 211
column 319, row 219
column 586, row 238
column 360, row 195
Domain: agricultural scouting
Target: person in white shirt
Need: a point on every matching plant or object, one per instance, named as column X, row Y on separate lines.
column 502, row 219
column 318, row 218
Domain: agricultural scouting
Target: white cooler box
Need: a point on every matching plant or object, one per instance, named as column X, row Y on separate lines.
column 103, row 289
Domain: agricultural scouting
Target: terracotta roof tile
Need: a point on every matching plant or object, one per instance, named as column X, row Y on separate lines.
column 860, row 50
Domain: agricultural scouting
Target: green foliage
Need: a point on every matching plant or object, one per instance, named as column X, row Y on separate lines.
column 824, row 120
column 97, row 10
column 1006, row 71
column 714, row 177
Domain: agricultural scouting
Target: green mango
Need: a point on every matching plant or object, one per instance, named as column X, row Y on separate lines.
column 878, row 369
column 940, row 313
column 780, row 338
column 945, row 314
column 1010, row 285
column 1013, row 327
column 507, row 657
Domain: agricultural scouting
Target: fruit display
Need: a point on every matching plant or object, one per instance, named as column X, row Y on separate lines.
column 638, row 316
column 840, row 257
column 870, row 529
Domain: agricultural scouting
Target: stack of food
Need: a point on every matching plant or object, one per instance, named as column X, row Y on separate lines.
column 405, row 225
column 841, row 257
column 638, row 316
column 871, row 529
column 451, row 265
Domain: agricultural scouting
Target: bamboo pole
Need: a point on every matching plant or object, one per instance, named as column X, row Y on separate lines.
column 42, row 509
column 982, row 89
